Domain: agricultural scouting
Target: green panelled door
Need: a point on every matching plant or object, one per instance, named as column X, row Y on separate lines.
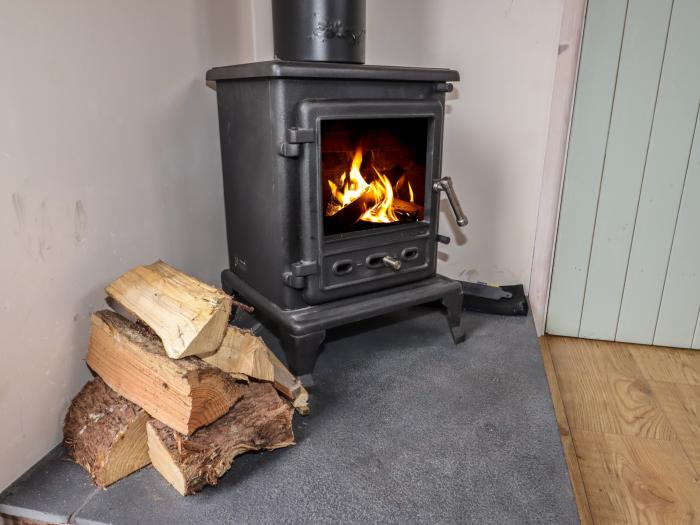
column 627, row 259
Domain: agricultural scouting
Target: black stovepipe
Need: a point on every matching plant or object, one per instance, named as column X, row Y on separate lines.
column 319, row 30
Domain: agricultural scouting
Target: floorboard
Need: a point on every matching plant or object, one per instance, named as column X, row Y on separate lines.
column 604, row 390
column 631, row 418
column 681, row 403
column 566, row 439
column 668, row 364
column 636, row 480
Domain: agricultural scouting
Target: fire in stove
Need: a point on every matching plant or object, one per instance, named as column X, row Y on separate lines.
column 377, row 200
column 375, row 180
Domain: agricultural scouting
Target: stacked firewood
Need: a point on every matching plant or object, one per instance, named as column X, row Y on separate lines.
column 176, row 386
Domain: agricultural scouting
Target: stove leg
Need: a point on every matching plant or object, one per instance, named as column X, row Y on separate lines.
column 301, row 352
column 453, row 303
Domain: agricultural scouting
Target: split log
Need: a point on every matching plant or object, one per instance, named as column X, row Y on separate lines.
column 289, row 385
column 348, row 215
column 244, row 353
column 105, row 434
column 409, row 208
column 188, row 315
column 260, row 420
column 185, row 394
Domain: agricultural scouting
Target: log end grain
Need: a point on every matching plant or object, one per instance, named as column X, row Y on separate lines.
column 261, row 420
column 105, row 433
column 244, row 353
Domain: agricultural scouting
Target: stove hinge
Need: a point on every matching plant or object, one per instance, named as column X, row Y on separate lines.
column 295, row 137
column 300, row 270
column 444, row 87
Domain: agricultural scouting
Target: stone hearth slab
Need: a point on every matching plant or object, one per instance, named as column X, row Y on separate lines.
column 405, row 427
column 51, row 491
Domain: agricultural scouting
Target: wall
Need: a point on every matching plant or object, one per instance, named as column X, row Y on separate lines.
column 109, row 158
column 570, row 36
column 498, row 115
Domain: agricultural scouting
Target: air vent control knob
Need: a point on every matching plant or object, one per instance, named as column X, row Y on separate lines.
column 392, row 263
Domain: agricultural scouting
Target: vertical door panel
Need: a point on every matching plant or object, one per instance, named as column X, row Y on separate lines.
column 666, row 166
column 605, row 20
column 628, row 139
column 678, row 316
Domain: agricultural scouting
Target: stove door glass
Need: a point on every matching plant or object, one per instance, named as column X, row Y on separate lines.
column 372, row 173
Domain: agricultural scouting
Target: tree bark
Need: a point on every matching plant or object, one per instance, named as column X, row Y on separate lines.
column 260, row 420
column 105, row 433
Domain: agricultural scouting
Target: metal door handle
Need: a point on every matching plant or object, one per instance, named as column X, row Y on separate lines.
column 445, row 184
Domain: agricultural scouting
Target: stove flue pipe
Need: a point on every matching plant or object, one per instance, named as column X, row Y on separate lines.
column 319, row 30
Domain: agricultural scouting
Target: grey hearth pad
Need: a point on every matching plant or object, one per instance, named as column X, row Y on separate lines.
column 405, row 427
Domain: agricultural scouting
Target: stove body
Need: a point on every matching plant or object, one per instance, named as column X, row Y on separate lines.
column 301, row 140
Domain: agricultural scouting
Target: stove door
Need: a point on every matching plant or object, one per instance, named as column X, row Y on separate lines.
column 368, row 212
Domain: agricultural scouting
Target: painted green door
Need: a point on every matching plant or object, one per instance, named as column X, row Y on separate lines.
column 627, row 258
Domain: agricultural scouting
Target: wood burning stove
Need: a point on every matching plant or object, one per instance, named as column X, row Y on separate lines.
column 332, row 180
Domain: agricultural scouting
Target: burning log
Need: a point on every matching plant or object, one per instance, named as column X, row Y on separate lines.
column 105, row 434
column 369, row 195
column 189, row 316
column 410, row 209
column 242, row 353
column 260, row 420
column 344, row 218
column 185, row 393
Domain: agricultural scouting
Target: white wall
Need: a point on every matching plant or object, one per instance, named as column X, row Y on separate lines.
column 109, row 158
column 498, row 115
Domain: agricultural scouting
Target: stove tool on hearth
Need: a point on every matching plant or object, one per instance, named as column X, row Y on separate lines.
column 332, row 184
column 499, row 300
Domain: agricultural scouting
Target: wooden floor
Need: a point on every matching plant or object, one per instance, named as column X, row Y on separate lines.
column 629, row 418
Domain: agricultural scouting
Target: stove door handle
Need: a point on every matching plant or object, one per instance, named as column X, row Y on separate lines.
column 445, row 184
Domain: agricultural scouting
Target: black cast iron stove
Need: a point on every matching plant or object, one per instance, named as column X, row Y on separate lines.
column 332, row 187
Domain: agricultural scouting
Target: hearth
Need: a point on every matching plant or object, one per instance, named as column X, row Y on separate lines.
column 332, row 181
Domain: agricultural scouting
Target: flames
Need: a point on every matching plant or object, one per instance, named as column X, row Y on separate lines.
column 377, row 198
